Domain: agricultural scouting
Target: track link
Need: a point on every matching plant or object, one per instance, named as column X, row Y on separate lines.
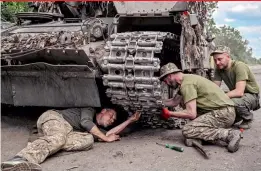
column 133, row 63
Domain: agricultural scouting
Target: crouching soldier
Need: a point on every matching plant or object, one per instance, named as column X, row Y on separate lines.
column 244, row 90
column 210, row 109
column 69, row 130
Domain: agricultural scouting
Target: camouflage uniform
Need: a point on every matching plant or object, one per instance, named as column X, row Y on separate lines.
column 58, row 135
column 211, row 126
column 245, row 104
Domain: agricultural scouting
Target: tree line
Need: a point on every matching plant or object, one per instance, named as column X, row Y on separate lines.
column 231, row 37
column 9, row 9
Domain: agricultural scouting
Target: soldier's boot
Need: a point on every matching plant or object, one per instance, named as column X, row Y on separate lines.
column 233, row 139
column 219, row 143
column 19, row 164
column 245, row 124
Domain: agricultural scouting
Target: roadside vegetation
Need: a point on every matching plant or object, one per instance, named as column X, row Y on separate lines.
column 225, row 35
column 9, row 9
column 231, row 37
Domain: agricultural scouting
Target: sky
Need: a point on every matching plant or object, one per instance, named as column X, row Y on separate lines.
column 244, row 16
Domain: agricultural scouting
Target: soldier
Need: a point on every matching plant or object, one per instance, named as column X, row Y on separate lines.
column 241, row 82
column 206, row 104
column 69, row 130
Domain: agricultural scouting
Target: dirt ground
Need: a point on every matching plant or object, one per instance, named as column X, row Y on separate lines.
column 139, row 151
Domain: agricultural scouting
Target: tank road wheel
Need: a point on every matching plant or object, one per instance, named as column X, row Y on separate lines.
column 132, row 66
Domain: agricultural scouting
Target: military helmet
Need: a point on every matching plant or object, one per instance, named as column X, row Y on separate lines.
column 168, row 69
column 221, row 49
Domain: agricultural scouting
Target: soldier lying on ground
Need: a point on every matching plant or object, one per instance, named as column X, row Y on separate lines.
column 241, row 82
column 211, row 110
column 69, row 130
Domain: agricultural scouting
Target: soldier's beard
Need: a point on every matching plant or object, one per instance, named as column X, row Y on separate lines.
column 174, row 84
column 105, row 125
column 102, row 123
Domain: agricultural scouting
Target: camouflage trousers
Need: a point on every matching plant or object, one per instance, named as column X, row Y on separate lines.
column 211, row 126
column 58, row 135
column 244, row 105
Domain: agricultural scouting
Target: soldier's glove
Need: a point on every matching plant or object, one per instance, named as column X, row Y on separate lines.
column 165, row 113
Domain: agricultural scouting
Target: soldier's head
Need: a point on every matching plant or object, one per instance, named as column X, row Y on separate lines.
column 171, row 75
column 106, row 117
column 221, row 57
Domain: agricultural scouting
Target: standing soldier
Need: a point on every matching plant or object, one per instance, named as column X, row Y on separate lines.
column 241, row 82
column 211, row 110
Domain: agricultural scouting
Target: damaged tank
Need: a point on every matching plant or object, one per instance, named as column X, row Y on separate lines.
column 78, row 54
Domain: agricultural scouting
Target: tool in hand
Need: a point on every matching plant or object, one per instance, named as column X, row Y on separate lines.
column 172, row 147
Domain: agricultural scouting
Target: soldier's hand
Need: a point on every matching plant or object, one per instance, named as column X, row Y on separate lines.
column 173, row 102
column 135, row 117
column 113, row 137
column 165, row 113
column 177, row 100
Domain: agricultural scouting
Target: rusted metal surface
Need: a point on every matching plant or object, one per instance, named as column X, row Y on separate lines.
column 49, row 68
column 132, row 8
column 52, row 56
column 38, row 41
column 42, row 84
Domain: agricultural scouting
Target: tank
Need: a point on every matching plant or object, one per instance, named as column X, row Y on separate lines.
column 78, row 54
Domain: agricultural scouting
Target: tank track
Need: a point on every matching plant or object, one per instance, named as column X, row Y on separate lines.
column 132, row 62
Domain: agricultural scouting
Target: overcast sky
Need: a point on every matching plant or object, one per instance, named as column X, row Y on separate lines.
column 244, row 16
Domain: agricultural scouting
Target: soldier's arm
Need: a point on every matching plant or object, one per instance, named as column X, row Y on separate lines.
column 189, row 95
column 238, row 91
column 87, row 115
column 169, row 102
column 116, row 130
column 173, row 102
column 189, row 113
column 241, row 73
column 96, row 132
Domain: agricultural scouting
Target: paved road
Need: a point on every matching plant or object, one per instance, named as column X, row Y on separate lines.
column 138, row 151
